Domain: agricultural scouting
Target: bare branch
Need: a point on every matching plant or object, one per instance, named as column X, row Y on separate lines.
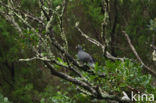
column 136, row 54
column 52, row 61
column 35, row 58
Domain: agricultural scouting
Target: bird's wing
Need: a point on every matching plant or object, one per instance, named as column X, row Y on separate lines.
column 84, row 56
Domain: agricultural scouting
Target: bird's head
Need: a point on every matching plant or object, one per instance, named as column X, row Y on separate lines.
column 78, row 47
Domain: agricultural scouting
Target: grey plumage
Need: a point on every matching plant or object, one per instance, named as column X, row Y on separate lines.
column 85, row 57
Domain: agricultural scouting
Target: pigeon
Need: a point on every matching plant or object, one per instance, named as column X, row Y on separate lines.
column 84, row 57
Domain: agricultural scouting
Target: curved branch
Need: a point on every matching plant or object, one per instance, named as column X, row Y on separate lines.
column 136, row 54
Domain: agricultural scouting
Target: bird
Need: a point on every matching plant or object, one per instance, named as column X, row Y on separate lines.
column 84, row 57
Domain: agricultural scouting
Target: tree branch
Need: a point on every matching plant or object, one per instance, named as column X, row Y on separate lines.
column 136, row 54
column 69, row 78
